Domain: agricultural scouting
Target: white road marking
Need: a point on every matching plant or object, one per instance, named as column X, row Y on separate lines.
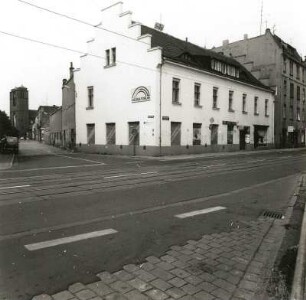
column 69, row 239
column 78, row 158
column 199, row 212
column 145, row 173
column 14, row 187
column 116, row 176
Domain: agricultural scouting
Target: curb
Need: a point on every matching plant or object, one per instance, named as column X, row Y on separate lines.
column 276, row 233
column 298, row 285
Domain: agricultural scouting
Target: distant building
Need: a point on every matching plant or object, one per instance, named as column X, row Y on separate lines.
column 62, row 121
column 154, row 94
column 41, row 126
column 19, row 110
column 278, row 65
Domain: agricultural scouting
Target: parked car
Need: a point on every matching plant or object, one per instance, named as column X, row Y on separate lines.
column 9, row 143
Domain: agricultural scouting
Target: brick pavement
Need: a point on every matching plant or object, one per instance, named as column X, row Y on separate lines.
column 229, row 265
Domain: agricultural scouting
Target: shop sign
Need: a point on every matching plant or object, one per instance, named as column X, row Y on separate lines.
column 141, row 94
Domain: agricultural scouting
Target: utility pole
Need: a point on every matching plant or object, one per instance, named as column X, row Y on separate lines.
column 261, row 13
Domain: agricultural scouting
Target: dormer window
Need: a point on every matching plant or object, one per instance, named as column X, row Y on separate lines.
column 224, row 68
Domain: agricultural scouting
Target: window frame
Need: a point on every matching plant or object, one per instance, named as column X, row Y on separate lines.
column 231, row 101
column 197, row 94
column 215, row 97
column 90, row 97
column 244, row 103
column 256, row 113
column 176, row 90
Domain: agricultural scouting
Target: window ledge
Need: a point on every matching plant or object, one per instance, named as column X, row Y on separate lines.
column 256, row 114
column 198, row 106
column 176, row 103
column 109, row 66
column 216, row 108
column 245, row 112
column 267, row 116
column 89, row 108
column 231, row 110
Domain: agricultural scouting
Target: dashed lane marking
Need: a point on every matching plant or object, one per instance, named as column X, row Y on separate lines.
column 199, row 212
column 14, row 187
column 69, row 239
column 116, row 176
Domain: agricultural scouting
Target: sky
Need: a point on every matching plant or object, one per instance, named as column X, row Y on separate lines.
column 206, row 23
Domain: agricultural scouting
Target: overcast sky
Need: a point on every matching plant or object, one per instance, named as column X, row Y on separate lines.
column 206, row 23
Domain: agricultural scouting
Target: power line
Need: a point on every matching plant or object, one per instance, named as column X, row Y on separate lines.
column 70, row 49
column 79, row 21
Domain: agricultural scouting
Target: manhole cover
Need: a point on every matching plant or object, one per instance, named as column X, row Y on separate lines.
column 272, row 214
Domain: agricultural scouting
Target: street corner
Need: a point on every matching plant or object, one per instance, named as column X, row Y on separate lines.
column 6, row 161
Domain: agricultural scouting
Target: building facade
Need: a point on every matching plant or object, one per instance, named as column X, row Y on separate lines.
column 153, row 94
column 19, row 110
column 279, row 66
column 41, row 126
column 56, row 138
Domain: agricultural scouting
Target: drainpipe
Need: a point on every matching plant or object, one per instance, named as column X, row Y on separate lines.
column 160, row 108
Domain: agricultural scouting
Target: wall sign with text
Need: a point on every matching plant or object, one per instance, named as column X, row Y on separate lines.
column 141, row 94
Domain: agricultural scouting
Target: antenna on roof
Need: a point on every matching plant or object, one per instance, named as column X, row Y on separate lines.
column 261, row 13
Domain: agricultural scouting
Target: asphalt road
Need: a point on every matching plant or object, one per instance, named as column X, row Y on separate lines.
column 50, row 194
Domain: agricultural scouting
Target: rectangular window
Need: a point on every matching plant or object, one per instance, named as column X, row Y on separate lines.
column 303, row 115
column 175, row 133
column 111, row 134
column 291, row 112
column 214, row 134
column 197, row 94
column 284, row 65
column 175, row 90
column 303, row 74
column 297, row 72
column 230, row 134
column 291, row 92
column 244, row 104
column 304, row 95
column 134, row 133
column 113, row 56
column 285, row 88
column 230, row 100
column 284, row 111
column 291, row 67
column 256, row 105
column 266, row 107
column 298, row 93
column 90, row 134
column 90, row 91
column 196, row 134
column 298, row 114
column 215, row 97
column 107, row 57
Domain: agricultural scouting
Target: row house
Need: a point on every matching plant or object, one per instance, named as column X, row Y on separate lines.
column 278, row 65
column 142, row 91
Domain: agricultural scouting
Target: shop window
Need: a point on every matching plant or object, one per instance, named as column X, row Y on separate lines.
column 90, row 134
column 230, row 134
column 214, row 134
column 197, row 134
column 175, row 133
column 110, row 133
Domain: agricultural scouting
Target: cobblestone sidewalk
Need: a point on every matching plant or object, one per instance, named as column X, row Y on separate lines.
column 228, row 265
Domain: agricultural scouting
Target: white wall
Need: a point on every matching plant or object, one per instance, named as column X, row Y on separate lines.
column 136, row 66
column 187, row 114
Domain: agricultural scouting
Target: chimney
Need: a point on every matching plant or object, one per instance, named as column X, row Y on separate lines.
column 71, row 70
column 245, row 36
column 268, row 30
column 225, row 42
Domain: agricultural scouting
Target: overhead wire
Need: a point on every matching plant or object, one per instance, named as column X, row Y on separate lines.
column 79, row 21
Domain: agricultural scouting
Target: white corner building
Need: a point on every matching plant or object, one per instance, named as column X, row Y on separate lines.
column 140, row 91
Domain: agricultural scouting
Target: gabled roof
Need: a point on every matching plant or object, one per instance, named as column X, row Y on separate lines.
column 195, row 56
column 289, row 51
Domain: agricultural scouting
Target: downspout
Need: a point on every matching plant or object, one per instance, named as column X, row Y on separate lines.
column 160, row 108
